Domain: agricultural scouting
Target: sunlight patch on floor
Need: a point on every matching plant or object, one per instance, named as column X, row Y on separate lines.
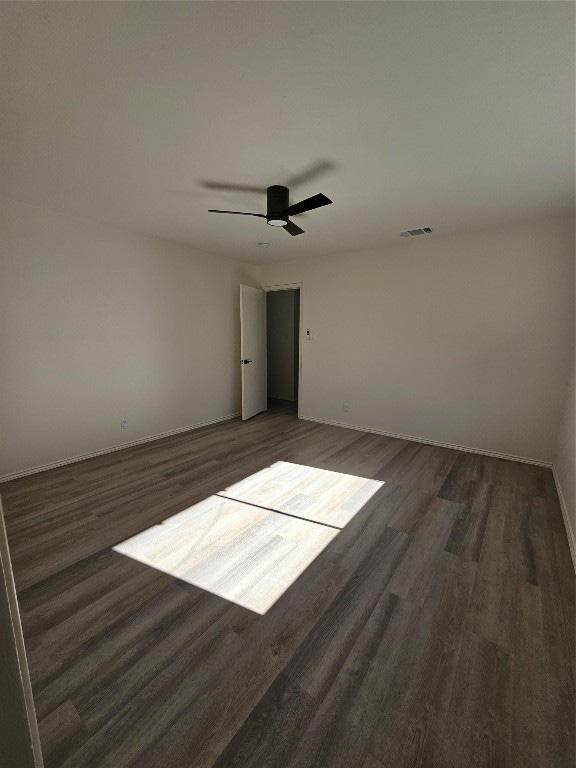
column 250, row 542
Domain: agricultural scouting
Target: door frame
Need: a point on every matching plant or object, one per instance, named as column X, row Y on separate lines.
column 292, row 287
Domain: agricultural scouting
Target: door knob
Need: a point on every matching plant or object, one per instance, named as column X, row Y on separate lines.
column 245, row 362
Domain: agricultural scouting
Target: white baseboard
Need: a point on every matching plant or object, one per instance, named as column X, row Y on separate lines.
column 102, row 451
column 426, row 441
column 567, row 524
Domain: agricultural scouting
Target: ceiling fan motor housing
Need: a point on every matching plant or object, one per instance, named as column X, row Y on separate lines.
column 277, row 202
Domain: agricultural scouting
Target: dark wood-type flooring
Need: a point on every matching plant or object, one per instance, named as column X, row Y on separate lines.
column 436, row 629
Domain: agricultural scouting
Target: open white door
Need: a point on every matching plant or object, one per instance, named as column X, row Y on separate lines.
column 253, row 350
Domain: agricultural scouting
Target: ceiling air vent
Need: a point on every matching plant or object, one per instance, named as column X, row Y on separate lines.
column 414, row 232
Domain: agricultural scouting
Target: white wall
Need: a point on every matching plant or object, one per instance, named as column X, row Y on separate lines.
column 98, row 325
column 280, row 308
column 464, row 340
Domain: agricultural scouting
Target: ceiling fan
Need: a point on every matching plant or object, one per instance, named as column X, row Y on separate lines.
column 278, row 210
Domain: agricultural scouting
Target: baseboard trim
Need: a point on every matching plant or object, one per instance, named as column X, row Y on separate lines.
column 102, row 451
column 563, row 506
column 426, row 441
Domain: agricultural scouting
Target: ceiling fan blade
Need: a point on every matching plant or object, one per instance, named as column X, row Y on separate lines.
column 293, row 229
column 316, row 201
column 221, row 185
column 238, row 213
column 310, row 173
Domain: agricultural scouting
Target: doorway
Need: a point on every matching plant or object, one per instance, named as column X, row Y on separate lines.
column 283, row 348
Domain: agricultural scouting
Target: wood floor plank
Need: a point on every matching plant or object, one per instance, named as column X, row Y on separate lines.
column 371, row 762
column 131, row 730
column 111, row 652
column 409, row 728
column 478, row 729
column 72, row 577
column 410, row 507
column 273, row 729
column 467, row 534
column 368, row 523
column 493, row 612
column 340, row 733
column 470, row 469
column 415, row 572
column 365, row 456
column 55, row 647
column 421, row 467
column 320, row 657
column 67, row 602
column 61, row 733
column 543, row 711
column 98, row 706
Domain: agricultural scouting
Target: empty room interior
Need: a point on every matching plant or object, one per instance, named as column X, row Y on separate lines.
column 287, row 384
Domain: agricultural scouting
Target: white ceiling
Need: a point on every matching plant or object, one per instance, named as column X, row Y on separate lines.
column 454, row 115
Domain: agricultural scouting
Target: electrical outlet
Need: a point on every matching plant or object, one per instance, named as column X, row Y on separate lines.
column 124, row 424
column 345, row 407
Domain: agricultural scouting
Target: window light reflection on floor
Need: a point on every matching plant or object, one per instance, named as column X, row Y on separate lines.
column 249, row 543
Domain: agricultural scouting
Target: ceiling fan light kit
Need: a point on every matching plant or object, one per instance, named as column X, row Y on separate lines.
column 279, row 210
